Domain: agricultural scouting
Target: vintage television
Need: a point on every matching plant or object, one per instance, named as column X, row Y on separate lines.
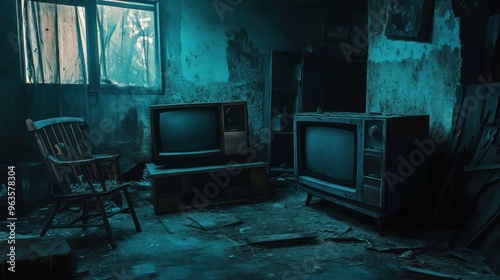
column 198, row 134
column 371, row 163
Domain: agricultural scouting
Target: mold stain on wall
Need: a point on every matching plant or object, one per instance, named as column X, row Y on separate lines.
column 246, row 75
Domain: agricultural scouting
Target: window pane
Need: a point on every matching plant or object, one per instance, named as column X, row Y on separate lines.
column 55, row 49
column 73, row 48
column 127, row 47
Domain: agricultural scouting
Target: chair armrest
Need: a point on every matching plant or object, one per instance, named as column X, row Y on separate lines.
column 71, row 163
column 94, row 159
column 106, row 157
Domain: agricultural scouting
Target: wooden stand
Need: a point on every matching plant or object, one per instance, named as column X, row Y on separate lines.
column 191, row 189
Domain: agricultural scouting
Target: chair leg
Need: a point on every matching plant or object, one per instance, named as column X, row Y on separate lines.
column 132, row 210
column 50, row 218
column 84, row 213
column 106, row 223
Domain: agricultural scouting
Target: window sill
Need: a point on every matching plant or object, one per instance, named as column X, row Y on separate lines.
column 106, row 89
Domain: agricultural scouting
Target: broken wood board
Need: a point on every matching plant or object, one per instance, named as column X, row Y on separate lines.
column 490, row 247
column 485, row 146
column 471, row 115
column 211, row 221
column 491, row 93
column 456, row 124
column 344, row 239
column 397, row 249
column 487, row 167
column 165, row 225
column 427, row 272
column 486, row 212
column 274, row 240
column 447, row 186
column 468, row 257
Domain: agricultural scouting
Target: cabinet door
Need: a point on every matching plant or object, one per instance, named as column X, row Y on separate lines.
column 283, row 100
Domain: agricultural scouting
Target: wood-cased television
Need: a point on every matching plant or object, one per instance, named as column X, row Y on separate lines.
column 198, row 134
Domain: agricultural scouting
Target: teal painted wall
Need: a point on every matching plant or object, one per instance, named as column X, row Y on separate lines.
column 409, row 77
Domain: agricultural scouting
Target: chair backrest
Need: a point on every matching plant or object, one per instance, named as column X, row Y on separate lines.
column 66, row 139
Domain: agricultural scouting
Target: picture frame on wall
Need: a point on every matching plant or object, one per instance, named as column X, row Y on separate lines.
column 336, row 27
column 410, row 20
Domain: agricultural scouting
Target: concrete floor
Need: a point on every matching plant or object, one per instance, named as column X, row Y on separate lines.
column 170, row 247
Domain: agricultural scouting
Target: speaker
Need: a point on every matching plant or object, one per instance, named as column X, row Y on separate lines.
column 235, row 127
column 234, row 118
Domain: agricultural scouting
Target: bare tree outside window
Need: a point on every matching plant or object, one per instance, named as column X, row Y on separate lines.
column 127, row 47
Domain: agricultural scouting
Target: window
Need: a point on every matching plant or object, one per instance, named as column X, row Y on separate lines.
column 113, row 44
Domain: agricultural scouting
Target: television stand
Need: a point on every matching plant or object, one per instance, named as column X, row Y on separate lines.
column 194, row 188
column 377, row 217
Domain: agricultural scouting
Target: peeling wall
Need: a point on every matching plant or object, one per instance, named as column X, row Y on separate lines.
column 409, row 77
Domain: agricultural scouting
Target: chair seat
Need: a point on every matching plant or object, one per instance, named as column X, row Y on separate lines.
column 81, row 190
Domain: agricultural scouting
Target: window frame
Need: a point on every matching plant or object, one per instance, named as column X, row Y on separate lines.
column 92, row 62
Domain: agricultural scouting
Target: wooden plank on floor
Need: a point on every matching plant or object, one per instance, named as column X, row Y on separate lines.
column 282, row 239
column 429, row 273
column 210, row 221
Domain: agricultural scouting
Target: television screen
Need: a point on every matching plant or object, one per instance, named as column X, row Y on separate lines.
column 189, row 131
column 330, row 153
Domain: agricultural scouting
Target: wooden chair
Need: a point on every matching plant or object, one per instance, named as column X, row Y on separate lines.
column 79, row 173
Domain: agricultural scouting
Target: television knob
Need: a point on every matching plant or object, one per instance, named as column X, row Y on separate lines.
column 374, row 131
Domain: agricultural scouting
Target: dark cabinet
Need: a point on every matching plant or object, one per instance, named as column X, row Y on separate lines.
column 300, row 82
column 295, row 84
